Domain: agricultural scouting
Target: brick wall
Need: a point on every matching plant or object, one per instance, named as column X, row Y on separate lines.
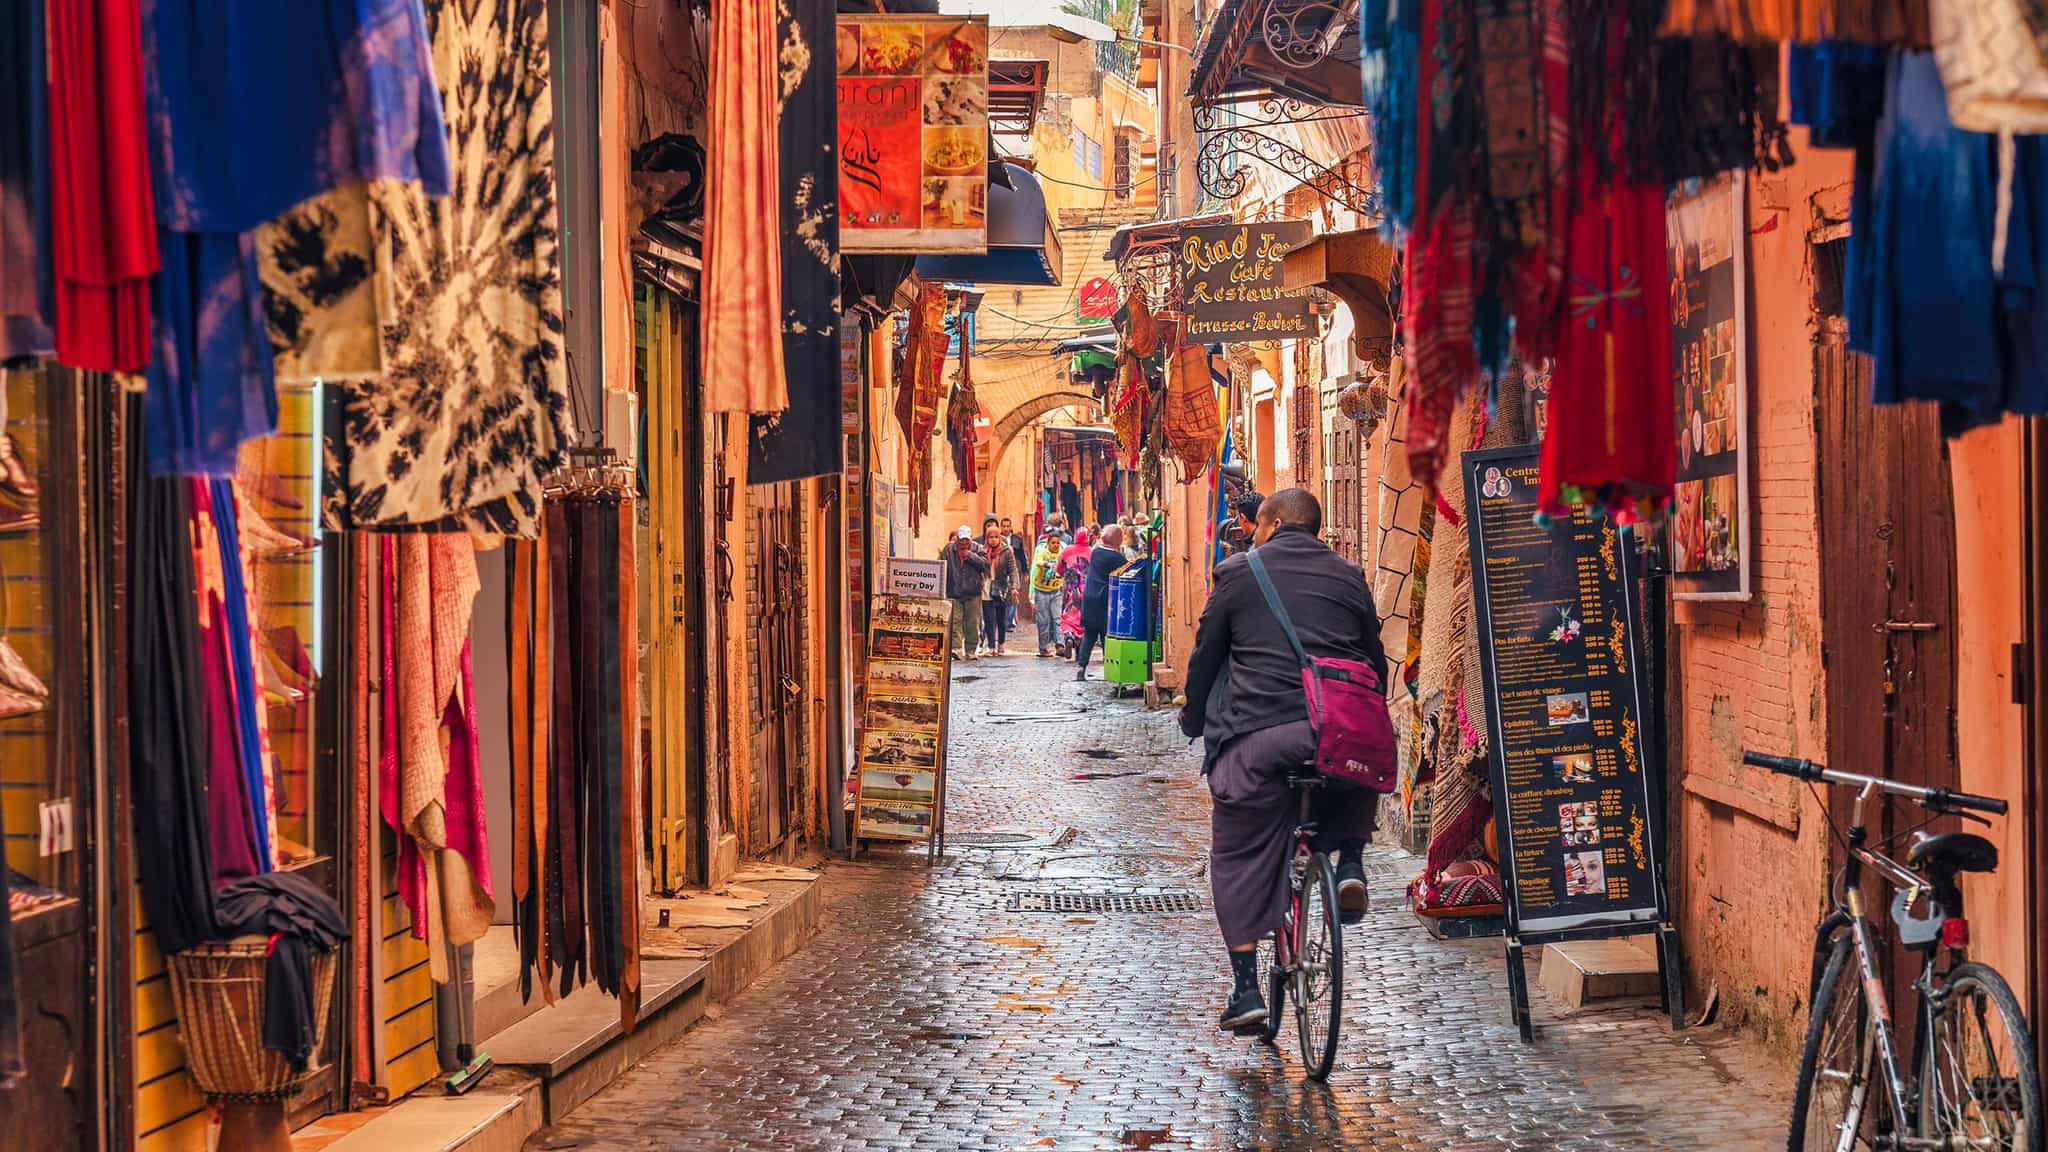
column 1749, row 877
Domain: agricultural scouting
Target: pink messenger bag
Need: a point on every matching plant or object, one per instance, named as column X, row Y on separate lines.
column 1347, row 711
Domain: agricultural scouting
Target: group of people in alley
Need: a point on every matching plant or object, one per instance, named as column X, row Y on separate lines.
column 1061, row 581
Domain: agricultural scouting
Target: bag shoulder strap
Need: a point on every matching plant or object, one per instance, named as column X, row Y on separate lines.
column 1265, row 580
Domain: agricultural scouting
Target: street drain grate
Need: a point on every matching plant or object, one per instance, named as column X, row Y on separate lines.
column 1101, row 754
column 1149, row 903
column 990, row 839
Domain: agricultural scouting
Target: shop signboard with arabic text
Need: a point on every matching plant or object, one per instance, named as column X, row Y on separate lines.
column 1231, row 282
column 913, row 133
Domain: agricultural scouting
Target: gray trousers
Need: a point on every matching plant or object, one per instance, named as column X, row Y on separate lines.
column 1045, row 607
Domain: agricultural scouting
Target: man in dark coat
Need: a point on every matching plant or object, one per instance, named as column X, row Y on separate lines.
column 1103, row 561
column 1244, row 698
column 966, row 576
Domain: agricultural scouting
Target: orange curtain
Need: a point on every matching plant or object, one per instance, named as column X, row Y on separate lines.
column 742, row 310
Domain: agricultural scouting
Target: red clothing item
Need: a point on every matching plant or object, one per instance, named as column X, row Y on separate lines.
column 103, row 215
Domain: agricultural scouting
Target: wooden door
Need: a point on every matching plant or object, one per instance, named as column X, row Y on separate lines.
column 1343, row 515
column 1887, row 561
column 776, row 580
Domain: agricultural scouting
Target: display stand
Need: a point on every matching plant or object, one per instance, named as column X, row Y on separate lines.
column 1577, row 791
column 902, row 790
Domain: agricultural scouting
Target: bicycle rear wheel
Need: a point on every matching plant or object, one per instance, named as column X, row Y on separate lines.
column 1275, row 982
column 1836, row 1092
column 1319, row 968
column 1978, row 1084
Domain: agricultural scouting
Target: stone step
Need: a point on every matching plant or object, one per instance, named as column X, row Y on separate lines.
column 497, row 1117
column 1585, row 970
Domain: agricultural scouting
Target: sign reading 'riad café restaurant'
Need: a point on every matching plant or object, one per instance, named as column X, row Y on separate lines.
column 1230, row 281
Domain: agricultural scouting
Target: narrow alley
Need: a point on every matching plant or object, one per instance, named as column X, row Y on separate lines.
column 932, row 1013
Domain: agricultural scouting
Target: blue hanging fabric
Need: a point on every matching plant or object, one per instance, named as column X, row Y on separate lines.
column 256, row 106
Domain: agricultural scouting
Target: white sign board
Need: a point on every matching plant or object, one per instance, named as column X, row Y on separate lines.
column 925, row 578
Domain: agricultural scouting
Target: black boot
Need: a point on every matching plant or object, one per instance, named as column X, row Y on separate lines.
column 1246, row 1012
column 1352, row 896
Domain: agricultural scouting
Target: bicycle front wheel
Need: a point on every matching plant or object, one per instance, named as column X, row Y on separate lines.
column 1836, row 1093
column 1979, row 1086
column 1318, row 968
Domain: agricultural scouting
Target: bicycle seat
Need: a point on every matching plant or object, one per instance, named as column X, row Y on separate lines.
column 1955, row 852
column 1304, row 776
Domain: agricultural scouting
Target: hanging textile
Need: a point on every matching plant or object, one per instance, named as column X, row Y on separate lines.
column 102, row 215
column 474, row 406
column 1127, row 411
column 528, row 632
column 24, row 182
column 321, row 271
column 429, row 791
column 254, row 108
column 1901, row 22
column 961, row 411
column 238, row 790
column 743, row 307
column 1193, row 426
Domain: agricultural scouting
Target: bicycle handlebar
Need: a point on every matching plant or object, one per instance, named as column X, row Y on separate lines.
column 1936, row 799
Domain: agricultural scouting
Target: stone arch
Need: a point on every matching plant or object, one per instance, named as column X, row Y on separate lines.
column 1015, row 421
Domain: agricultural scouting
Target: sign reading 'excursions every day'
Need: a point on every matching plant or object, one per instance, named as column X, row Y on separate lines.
column 1575, row 791
column 913, row 134
column 1230, row 280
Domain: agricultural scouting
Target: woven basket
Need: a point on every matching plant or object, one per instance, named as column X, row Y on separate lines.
column 218, row 990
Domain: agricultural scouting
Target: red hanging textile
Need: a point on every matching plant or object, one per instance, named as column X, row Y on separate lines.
column 103, row 215
column 742, row 310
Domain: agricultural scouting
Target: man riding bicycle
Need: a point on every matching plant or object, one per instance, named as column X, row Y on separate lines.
column 1244, row 698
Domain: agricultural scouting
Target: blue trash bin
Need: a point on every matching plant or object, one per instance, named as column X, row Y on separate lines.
column 1129, row 603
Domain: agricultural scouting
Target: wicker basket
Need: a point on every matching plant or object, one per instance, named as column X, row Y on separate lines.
column 218, row 990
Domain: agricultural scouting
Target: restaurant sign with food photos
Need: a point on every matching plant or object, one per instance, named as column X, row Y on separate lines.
column 1709, row 523
column 913, row 133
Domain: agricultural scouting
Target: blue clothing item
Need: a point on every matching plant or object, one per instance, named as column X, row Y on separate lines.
column 235, row 598
column 1926, row 313
column 1389, row 31
column 1837, row 91
column 256, row 106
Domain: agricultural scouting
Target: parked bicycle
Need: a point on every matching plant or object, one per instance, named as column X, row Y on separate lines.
column 1306, row 954
column 1971, row 1081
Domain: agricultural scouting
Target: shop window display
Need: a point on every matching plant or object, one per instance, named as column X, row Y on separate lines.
column 34, row 777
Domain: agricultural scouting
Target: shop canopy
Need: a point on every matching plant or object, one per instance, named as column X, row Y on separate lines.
column 1023, row 243
column 1358, row 268
column 1298, row 49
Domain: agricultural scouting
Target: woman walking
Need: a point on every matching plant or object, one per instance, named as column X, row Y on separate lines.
column 1074, row 581
column 1003, row 578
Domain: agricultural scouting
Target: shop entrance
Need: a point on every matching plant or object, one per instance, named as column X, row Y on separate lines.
column 1887, row 536
column 778, row 665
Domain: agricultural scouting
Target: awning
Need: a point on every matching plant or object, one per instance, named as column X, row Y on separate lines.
column 1358, row 267
column 1023, row 243
column 1154, row 234
column 1100, row 341
column 1305, row 49
column 1016, row 89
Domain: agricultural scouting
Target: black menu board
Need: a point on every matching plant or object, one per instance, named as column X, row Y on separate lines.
column 1575, row 791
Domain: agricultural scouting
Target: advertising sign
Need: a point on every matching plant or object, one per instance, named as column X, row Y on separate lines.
column 1096, row 302
column 903, row 741
column 1575, row 787
column 909, row 577
column 1230, row 279
column 1710, row 377
column 913, row 133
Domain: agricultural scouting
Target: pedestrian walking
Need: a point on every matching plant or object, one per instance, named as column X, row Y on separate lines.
column 1047, row 589
column 1245, row 700
column 1004, row 578
column 1022, row 551
column 1104, row 559
column 966, row 575
column 1073, row 582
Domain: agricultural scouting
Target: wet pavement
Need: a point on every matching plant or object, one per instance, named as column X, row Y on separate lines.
column 938, row 1010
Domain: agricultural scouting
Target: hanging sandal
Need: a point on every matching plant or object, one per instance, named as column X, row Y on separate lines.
column 15, row 674
column 16, row 519
column 13, row 704
column 15, row 477
column 262, row 538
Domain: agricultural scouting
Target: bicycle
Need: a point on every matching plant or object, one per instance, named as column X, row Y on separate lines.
column 1943, row 1100
column 1307, row 950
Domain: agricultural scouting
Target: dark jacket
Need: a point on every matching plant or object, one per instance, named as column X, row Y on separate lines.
column 1102, row 563
column 1243, row 675
column 1004, row 573
column 1021, row 549
column 965, row 575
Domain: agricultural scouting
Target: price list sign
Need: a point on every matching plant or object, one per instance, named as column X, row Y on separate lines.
column 1575, row 790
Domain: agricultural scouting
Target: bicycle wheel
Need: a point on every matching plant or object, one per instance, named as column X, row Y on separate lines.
column 1274, row 981
column 1836, row 1093
column 1319, row 968
column 1978, row 1085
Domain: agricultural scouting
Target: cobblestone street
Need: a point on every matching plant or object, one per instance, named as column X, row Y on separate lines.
column 929, row 1014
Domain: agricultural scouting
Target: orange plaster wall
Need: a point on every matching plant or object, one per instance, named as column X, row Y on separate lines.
column 1751, row 881
column 1990, row 728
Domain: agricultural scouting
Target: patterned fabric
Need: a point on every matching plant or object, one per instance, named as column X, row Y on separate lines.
column 1193, row 426
column 1991, row 66
column 743, row 364
column 320, row 277
column 474, row 407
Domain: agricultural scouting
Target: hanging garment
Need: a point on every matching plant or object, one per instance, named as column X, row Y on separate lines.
column 626, row 779
column 322, row 268
column 743, row 363
column 1991, row 66
column 102, row 215
column 1837, row 89
column 301, row 919
column 24, row 182
column 1896, row 22
column 238, row 816
column 430, row 788
column 564, row 877
column 474, row 405
column 1194, row 427
column 256, row 107
column 168, row 760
